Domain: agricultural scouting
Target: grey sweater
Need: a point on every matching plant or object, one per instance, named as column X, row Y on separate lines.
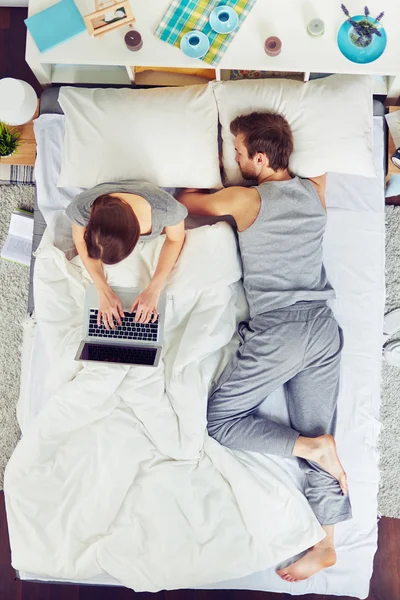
column 165, row 210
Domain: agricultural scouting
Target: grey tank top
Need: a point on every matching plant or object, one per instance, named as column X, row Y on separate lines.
column 165, row 210
column 282, row 250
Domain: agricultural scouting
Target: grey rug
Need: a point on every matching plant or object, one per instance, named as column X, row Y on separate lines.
column 13, row 305
column 389, row 440
column 14, row 281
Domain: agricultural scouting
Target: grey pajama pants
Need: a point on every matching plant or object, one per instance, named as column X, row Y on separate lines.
column 298, row 346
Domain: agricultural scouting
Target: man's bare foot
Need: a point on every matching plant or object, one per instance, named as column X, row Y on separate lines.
column 322, row 450
column 319, row 557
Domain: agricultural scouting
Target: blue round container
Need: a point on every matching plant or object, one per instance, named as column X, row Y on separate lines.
column 223, row 19
column 353, row 52
column 195, row 44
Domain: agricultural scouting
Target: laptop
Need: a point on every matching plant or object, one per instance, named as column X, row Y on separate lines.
column 130, row 343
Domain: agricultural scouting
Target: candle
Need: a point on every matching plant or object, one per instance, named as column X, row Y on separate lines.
column 316, row 28
column 273, row 46
column 133, row 40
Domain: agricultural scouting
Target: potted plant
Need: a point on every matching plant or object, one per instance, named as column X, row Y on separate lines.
column 364, row 28
column 9, row 140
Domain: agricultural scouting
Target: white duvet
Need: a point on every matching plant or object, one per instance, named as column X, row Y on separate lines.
column 116, row 474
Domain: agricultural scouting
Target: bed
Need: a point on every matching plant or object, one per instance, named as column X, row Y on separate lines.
column 354, row 259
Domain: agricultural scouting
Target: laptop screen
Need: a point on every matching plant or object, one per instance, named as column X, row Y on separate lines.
column 138, row 355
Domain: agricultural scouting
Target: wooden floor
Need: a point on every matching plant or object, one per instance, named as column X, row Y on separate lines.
column 394, row 200
column 385, row 584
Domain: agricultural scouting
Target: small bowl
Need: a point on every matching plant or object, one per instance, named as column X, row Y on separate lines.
column 195, row 44
column 224, row 19
column 358, row 55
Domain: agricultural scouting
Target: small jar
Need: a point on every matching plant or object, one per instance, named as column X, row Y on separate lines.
column 273, row 46
column 133, row 40
column 316, row 28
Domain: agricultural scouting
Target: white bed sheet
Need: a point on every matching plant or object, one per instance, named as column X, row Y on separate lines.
column 354, row 259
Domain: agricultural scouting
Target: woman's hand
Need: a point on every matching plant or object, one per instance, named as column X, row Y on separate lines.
column 146, row 305
column 110, row 308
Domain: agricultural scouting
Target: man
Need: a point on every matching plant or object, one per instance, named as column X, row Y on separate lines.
column 292, row 337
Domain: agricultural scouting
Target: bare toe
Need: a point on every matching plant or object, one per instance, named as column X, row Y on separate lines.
column 282, row 573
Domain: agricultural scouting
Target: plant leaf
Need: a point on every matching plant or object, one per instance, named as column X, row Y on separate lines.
column 9, row 139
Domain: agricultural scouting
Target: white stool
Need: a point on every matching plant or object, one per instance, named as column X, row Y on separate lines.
column 18, row 101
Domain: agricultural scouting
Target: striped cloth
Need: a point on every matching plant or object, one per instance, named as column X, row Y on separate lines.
column 16, row 174
column 185, row 15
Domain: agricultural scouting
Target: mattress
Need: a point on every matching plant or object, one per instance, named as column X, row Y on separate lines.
column 354, row 260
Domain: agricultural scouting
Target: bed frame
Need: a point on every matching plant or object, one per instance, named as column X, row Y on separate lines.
column 49, row 105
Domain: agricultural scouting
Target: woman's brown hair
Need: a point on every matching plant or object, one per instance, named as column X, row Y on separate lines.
column 268, row 133
column 113, row 230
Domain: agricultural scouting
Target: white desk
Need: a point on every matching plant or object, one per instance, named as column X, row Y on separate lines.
column 85, row 59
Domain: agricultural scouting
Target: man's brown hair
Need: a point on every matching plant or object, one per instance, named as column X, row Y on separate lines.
column 113, row 230
column 268, row 133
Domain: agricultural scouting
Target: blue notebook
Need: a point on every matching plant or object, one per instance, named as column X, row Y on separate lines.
column 55, row 24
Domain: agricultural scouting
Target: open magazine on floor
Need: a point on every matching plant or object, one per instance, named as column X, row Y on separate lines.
column 18, row 245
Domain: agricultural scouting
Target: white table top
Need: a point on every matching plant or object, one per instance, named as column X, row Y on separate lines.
column 285, row 18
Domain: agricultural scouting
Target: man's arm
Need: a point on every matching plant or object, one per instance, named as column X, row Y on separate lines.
column 217, row 204
column 320, row 185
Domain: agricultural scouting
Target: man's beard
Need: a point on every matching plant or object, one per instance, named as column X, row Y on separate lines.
column 247, row 174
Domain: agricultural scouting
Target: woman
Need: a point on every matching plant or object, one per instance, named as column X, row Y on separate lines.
column 107, row 223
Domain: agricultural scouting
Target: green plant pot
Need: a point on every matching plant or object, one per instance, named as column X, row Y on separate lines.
column 9, row 140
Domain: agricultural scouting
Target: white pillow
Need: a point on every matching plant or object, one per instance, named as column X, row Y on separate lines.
column 168, row 137
column 331, row 120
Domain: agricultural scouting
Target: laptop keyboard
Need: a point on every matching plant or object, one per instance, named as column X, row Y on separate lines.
column 118, row 354
column 129, row 330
